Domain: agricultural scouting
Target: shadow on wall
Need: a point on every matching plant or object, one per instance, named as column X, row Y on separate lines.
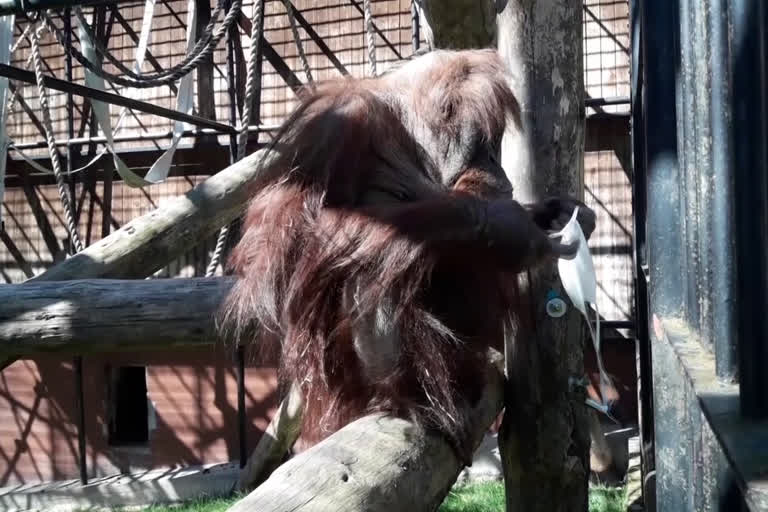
column 191, row 413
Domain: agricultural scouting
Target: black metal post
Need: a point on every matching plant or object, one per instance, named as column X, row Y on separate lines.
column 82, row 458
column 56, row 84
column 700, row 176
column 686, row 126
column 660, row 68
column 722, row 229
column 668, row 292
column 307, row 26
column 640, row 259
column 751, row 190
column 241, row 412
column 415, row 26
column 23, row 6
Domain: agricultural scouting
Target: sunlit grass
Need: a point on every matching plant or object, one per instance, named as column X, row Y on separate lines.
column 476, row 497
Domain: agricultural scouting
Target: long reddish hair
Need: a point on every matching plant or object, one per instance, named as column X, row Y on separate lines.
column 317, row 268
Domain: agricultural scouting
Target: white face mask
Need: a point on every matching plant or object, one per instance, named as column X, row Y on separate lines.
column 578, row 277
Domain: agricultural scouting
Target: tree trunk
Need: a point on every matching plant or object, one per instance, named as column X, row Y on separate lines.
column 102, row 315
column 544, row 439
column 375, row 464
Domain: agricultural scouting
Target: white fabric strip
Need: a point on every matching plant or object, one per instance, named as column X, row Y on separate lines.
column 6, row 43
column 184, row 99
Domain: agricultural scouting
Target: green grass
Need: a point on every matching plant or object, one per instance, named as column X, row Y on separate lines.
column 478, row 497
column 607, row 499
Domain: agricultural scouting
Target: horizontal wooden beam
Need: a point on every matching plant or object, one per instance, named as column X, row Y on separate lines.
column 151, row 241
column 104, row 315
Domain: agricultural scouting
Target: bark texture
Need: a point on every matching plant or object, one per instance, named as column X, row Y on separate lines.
column 375, row 464
column 544, row 439
column 102, row 315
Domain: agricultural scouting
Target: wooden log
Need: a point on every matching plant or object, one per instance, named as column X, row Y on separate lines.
column 377, row 463
column 545, row 442
column 104, row 315
column 279, row 437
column 151, row 241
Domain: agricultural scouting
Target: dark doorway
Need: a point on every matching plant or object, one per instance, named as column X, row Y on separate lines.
column 128, row 406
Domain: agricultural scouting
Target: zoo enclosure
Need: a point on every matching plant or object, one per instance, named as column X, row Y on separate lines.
column 333, row 35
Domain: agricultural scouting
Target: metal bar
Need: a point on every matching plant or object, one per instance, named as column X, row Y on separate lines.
column 318, row 40
column 242, row 433
column 206, row 97
column 70, row 104
column 280, row 66
column 80, row 399
column 701, row 175
column 184, row 26
column 274, row 58
column 751, row 182
column 617, row 324
column 686, row 105
column 722, row 243
column 41, row 219
column 21, row 7
column 610, row 33
column 639, row 260
column 27, row 109
column 661, row 156
column 100, row 139
column 415, row 27
column 241, row 411
column 18, row 257
column 377, row 30
column 50, row 82
column 600, row 102
column 232, row 36
column 667, row 286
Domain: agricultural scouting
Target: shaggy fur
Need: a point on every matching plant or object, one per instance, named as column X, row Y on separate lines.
column 381, row 244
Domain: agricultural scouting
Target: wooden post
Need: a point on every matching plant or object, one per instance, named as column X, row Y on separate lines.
column 544, row 439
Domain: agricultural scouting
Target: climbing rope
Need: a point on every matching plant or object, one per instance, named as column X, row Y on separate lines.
column 204, row 47
column 257, row 23
column 370, row 35
column 297, row 38
column 51, row 141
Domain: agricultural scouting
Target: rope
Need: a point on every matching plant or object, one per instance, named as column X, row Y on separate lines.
column 257, row 24
column 104, row 52
column 204, row 47
column 370, row 36
column 49, row 137
column 297, row 38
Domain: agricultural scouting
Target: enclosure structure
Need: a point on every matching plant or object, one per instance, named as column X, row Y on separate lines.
column 699, row 112
column 190, row 398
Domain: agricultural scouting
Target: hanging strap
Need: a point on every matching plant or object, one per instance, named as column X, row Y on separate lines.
column 6, row 43
column 159, row 171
